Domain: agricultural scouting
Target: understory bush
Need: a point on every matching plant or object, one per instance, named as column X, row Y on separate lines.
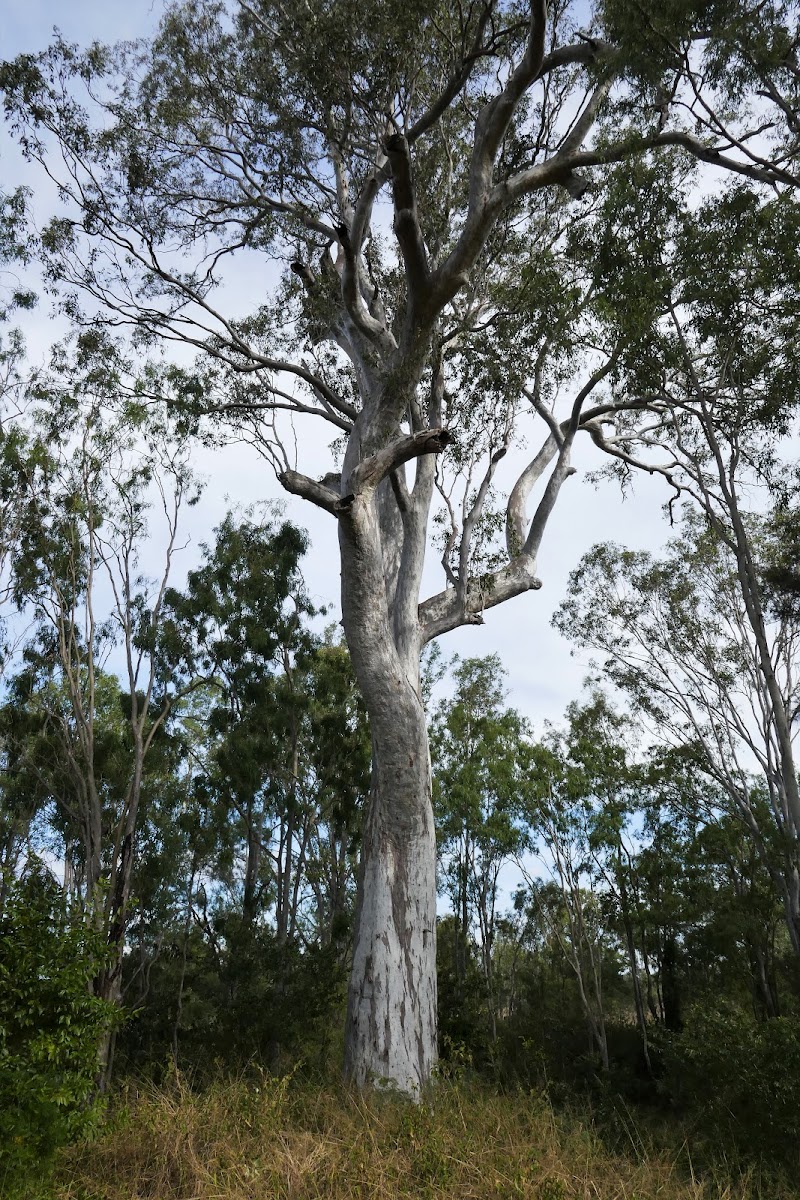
column 50, row 1025
column 246, row 1000
column 738, row 1080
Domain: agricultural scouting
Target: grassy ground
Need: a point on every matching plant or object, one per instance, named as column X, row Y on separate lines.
column 277, row 1140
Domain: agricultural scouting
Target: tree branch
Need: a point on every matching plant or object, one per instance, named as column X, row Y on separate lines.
column 558, row 169
column 406, row 221
column 474, row 516
column 310, row 489
column 516, row 516
column 446, row 611
column 490, row 127
column 369, row 473
column 375, row 331
column 456, row 82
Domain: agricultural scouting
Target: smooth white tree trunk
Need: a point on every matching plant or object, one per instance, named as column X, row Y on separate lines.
column 391, row 1018
column 390, row 1036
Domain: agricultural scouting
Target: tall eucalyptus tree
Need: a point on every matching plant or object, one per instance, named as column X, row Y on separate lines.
column 396, row 178
column 676, row 636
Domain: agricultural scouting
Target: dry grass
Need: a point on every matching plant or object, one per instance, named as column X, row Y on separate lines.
column 275, row 1140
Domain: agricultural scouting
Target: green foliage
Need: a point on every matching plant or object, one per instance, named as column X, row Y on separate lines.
column 677, row 637
column 51, row 1026
column 476, row 748
column 245, row 999
column 740, row 1079
column 464, row 1036
column 781, row 581
column 246, row 867
column 15, row 248
column 475, row 743
column 733, row 51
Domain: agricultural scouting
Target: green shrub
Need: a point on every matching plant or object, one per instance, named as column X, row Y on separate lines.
column 50, row 1025
column 739, row 1080
column 246, row 1000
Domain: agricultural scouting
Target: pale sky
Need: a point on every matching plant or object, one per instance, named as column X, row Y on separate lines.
column 542, row 676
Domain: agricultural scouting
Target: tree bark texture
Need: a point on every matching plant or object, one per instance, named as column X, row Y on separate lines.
column 391, row 1019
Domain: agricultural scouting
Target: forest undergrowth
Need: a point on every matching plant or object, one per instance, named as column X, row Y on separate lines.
column 261, row 1138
